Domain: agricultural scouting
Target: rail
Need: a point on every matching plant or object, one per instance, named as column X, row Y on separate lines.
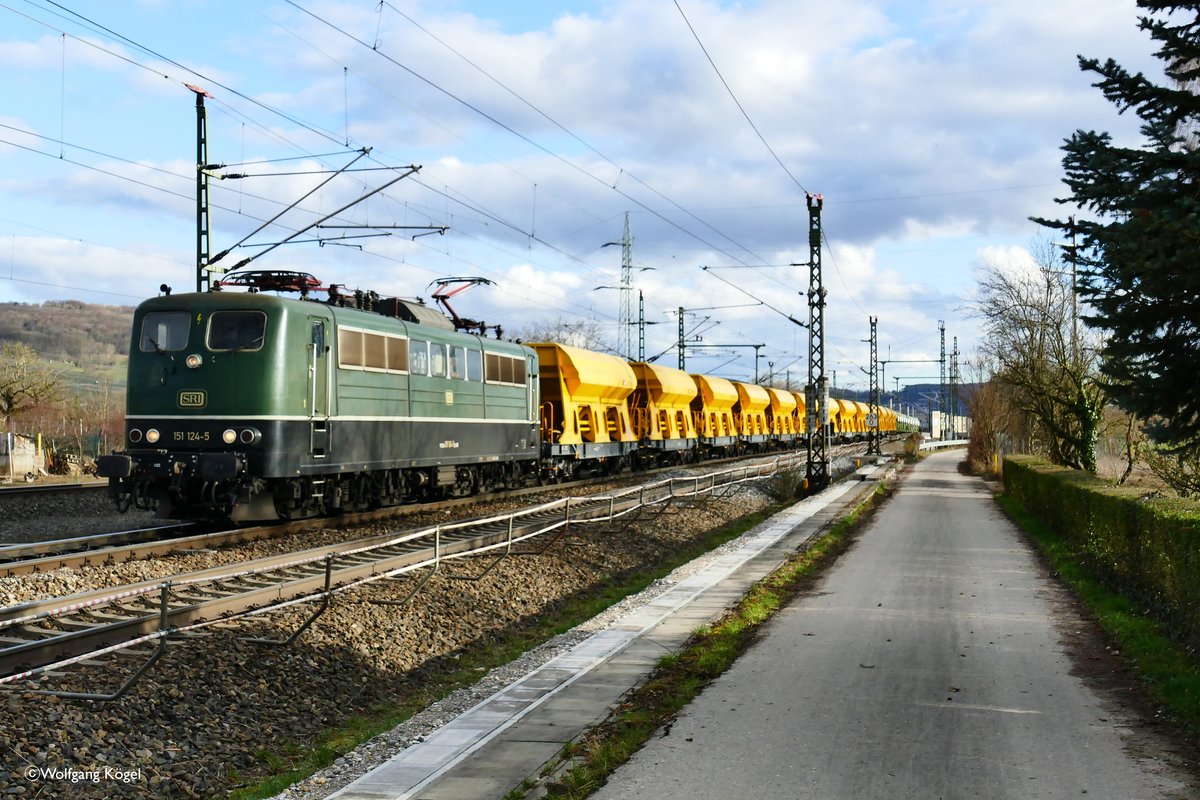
column 12, row 555
column 49, row 635
column 9, row 491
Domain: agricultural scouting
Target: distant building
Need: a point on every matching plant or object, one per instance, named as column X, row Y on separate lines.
column 21, row 458
column 957, row 427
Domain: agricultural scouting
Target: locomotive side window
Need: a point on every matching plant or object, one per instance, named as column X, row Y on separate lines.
column 397, row 354
column 237, row 330
column 164, row 331
column 418, row 357
column 374, row 351
column 437, row 360
column 370, row 351
column 458, row 363
column 504, row 369
column 350, row 348
column 474, row 365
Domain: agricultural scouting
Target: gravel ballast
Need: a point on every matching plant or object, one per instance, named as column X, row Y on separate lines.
column 217, row 709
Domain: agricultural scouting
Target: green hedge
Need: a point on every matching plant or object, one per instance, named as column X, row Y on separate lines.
column 1146, row 547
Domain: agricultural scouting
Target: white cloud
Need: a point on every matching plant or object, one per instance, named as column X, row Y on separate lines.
column 933, row 131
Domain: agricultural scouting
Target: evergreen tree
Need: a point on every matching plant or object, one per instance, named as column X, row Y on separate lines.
column 1138, row 254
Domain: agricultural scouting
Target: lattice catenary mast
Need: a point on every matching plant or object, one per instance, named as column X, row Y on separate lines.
column 623, row 345
column 943, row 393
column 873, row 448
column 954, row 390
column 203, row 278
column 816, row 392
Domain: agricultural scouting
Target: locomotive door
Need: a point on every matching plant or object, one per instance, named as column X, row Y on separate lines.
column 318, row 390
column 532, row 399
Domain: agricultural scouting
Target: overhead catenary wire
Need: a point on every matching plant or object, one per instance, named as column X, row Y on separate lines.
column 161, row 188
column 211, row 79
column 246, row 261
column 622, row 171
column 506, row 127
column 737, row 102
column 288, row 208
column 496, row 217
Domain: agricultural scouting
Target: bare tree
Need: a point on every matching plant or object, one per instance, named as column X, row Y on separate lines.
column 25, row 380
column 1032, row 335
column 575, row 333
column 992, row 417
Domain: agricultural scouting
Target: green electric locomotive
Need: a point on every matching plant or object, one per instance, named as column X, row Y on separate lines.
column 252, row 406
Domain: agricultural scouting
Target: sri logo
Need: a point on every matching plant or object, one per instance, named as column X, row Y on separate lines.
column 192, row 399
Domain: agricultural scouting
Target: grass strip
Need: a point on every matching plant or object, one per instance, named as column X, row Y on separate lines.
column 680, row 677
column 300, row 760
column 1170, row 676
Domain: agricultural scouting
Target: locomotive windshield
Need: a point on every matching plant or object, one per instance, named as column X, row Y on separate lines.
column 164, row 331
column 237, row 330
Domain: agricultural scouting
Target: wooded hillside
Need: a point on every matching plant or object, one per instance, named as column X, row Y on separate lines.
column 68, row 330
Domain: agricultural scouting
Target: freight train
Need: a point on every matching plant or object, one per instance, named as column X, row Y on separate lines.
column 254, row 406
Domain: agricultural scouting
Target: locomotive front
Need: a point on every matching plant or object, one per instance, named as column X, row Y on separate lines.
column 210, row 394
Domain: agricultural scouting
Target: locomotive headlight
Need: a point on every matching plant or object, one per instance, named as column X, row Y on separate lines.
column 152, row 435
column 193, row 360
column 135, row 435
column 229, row 436
column 250, row 436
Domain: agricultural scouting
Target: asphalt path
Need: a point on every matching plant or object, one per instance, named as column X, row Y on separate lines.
column 932, row 661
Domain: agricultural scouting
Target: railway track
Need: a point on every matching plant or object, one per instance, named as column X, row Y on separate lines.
column 153, row 542
column 111, row 548
column 32, row 490
column 50, row 635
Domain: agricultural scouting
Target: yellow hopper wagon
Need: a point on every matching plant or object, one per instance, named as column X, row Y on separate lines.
column 860, row 419
column 661, row 410
column 837, row 420
column 713, row 412
column 801, row 415
column 781, row 416
column 751, row 414
column 585, row 411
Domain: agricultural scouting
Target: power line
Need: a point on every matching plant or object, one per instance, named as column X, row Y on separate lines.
column 622, row 170
column 508, row 128
column 208, row 78
column 318, row 130
column 737, row 102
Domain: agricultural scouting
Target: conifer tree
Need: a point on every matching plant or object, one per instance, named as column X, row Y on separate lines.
column 1138, row 236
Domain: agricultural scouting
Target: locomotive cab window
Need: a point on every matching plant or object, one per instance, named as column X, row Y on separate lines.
column 164, row 331
column 237, row 330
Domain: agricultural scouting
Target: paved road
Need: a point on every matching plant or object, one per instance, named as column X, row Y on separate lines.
column 928, row 664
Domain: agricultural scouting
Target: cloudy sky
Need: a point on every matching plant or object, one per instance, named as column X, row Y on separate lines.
column 931, row 129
